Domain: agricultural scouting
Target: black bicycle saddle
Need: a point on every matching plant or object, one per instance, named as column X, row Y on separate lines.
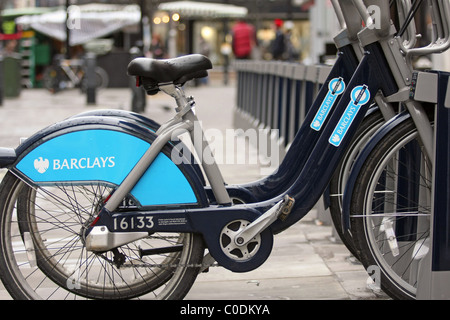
column 176, row 70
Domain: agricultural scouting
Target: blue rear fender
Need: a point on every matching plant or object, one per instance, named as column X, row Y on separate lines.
column 138, row 119
column 105, row 150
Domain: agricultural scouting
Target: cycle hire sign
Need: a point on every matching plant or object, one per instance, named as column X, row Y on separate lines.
column 360, row 95
column 106, row 156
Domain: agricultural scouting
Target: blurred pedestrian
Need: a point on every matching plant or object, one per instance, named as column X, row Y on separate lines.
column 157, row 50
column 205, row 49
column 10, row 48
column 278, row 46
column 244, row 40
column 292, row 51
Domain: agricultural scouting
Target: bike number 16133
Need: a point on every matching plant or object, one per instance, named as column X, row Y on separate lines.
column 133, row 223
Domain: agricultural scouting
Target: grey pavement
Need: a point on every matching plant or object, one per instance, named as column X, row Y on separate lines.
column 306, row 262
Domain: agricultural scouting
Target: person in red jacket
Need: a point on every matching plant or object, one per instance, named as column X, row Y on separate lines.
column 243, row 40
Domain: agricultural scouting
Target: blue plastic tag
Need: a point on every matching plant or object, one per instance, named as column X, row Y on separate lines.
column 335, row 88
column 360, row 96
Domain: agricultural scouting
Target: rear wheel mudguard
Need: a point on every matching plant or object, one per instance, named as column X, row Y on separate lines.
column 105, row 150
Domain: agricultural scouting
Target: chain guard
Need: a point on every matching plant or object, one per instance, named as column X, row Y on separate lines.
column 245, row 258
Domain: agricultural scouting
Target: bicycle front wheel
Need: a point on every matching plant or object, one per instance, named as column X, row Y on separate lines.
column 391, row 210
column 337, row 183
column 43, row 256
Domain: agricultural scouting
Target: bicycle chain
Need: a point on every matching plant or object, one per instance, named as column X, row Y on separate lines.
column 156, row 265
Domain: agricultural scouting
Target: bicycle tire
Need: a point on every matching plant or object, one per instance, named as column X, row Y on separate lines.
column 389, row 234
column 337, row 183
column 58, row 250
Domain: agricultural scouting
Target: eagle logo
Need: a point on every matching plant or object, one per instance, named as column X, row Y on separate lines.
column 336, row 138
column 41, row 165
column 316, row 124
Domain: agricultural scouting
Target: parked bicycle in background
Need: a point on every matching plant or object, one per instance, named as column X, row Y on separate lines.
column 71, row 73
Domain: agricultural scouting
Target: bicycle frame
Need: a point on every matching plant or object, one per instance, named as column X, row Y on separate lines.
column 69, row 70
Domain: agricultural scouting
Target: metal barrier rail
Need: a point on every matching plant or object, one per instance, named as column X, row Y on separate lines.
column 276, row 95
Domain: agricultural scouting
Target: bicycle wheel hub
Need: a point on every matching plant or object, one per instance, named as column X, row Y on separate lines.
column 230, row 245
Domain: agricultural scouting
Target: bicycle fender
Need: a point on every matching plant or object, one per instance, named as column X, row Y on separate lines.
column 7, row 157
column 365, row 153
column 141, row 120
column 105, row 150
column 132, row 116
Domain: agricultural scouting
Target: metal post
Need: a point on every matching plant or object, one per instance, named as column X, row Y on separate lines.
column 1, row 80
column 139, row 96
column 434, row 278
column 91, row 85
column 226, row 56
column 67, row 27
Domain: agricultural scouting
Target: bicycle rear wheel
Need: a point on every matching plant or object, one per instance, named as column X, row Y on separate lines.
column 391, row 210
column 42, row 254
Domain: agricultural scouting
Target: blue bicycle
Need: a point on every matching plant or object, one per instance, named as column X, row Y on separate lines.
column 111, row 205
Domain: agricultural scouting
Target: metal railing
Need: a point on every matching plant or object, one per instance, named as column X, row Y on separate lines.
column 276, row 95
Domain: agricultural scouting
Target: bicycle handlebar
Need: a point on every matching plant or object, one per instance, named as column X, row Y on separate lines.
column 349, row 18
column 440, row 11
column 351, row 14
column 405, row 7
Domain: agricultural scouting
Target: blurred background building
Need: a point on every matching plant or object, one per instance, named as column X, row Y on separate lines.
column 41, row 29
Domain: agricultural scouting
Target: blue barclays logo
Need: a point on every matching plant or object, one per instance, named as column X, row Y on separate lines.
column 360, row 96
column 335, row 88
column 84, row 156
column 42, row 165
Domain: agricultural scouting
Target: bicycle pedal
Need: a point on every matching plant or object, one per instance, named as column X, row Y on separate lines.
column 286, row 208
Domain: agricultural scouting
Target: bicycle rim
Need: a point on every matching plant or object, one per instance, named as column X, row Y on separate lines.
column 43, row 255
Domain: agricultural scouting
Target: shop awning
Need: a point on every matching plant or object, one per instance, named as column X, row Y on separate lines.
column 204, row 9
column 87, row 22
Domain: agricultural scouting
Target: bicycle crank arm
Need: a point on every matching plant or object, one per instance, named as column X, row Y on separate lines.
column 279, row 211
column 114, row 229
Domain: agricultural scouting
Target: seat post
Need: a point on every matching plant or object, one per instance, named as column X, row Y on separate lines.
column 201, row 145
column 176, row 93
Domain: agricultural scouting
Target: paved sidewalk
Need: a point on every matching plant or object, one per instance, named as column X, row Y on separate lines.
column 305, row 264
